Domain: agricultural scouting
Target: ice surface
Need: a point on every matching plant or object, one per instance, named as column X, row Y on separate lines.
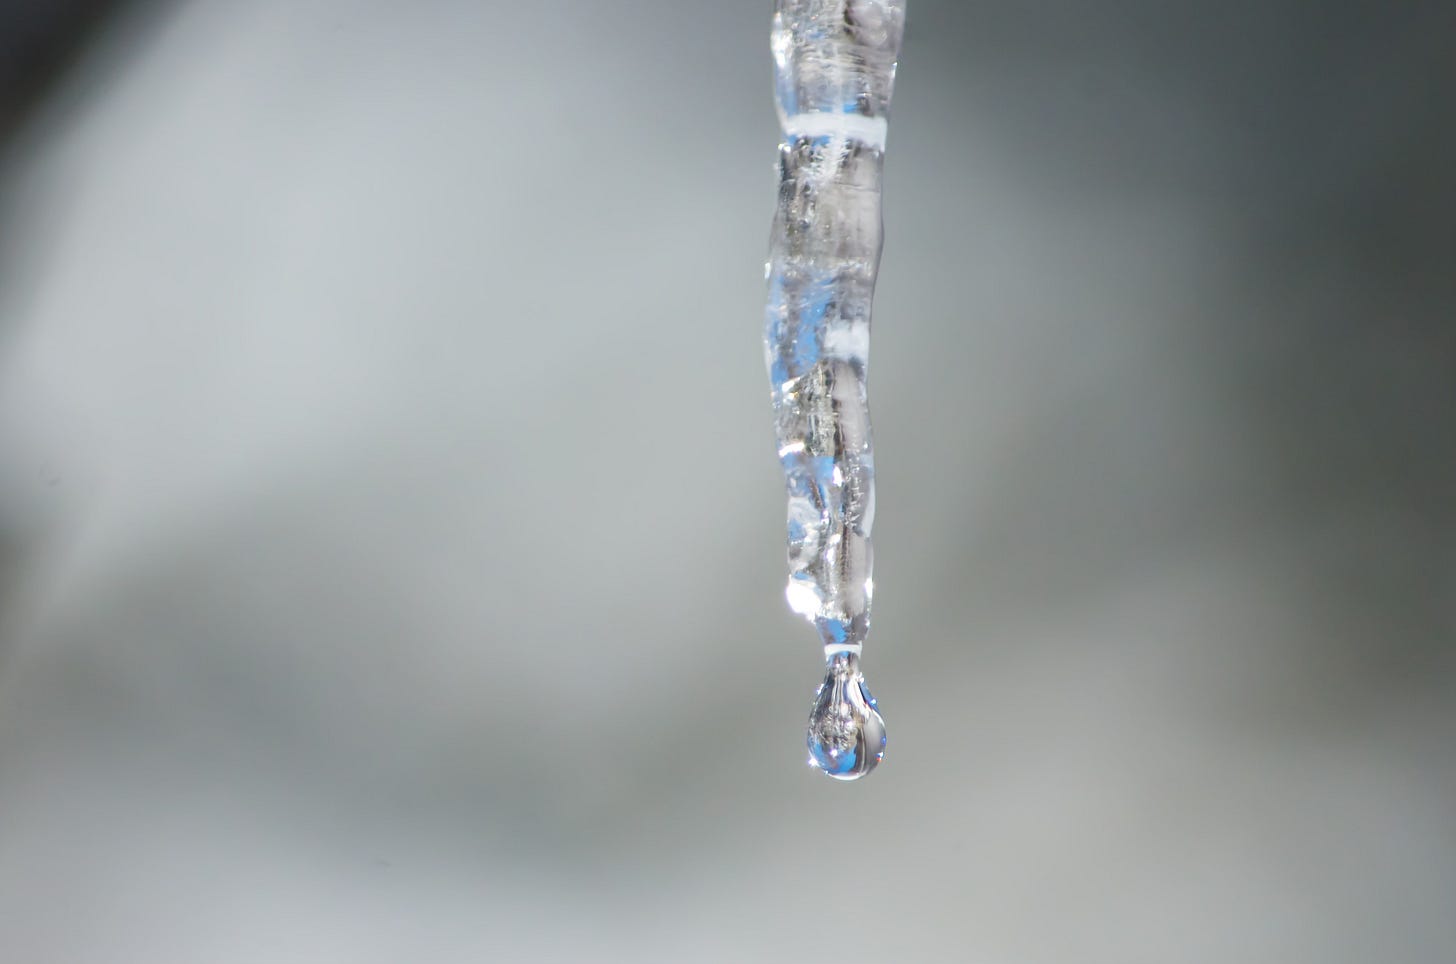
column 835, row 68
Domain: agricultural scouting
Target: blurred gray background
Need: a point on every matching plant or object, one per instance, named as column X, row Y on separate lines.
column 391, row 547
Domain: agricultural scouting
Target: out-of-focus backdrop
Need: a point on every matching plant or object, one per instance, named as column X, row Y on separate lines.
column 391, row 540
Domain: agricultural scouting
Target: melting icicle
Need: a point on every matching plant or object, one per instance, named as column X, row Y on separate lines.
column 834, row 64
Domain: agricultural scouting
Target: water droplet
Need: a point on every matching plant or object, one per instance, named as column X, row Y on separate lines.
column 846, row 734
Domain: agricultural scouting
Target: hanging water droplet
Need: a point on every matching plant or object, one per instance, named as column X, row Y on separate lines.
column 846, row 734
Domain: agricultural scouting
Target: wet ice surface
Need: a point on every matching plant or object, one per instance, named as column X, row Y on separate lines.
column 306, row 660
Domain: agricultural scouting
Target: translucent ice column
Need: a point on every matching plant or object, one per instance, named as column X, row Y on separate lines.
column 834, row 63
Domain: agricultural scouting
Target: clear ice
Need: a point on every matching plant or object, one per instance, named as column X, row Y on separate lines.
column 834, row 66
